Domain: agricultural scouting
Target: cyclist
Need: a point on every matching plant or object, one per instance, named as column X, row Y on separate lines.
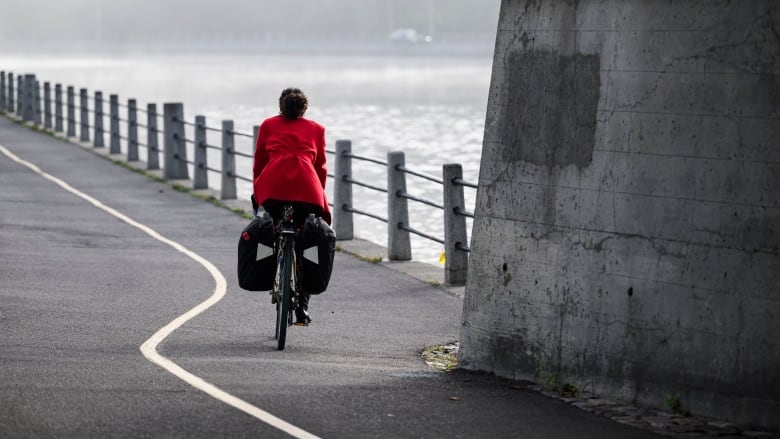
column 289, row 168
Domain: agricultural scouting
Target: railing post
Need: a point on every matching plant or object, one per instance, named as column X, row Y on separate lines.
column 99, row 140
column 58, row 108
column 20, row 95
column 37, row 117
column 132, row 131
column 228, row 161
column 71, row 112
column 2, row 91
column 255, row 132
column 175, row 148
column 152, row 144
column 399, row 247
column 342, row 191
column 84, row 119
column 28, row 112
column 11, row 104
column 456, row 261
column 47, row 105
column 114, row 145
column 200, row 178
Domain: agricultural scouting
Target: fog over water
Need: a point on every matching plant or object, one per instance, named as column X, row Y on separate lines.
column 425, row 98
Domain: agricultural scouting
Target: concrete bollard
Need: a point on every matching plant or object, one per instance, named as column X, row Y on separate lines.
column 228, row 161
column 71, row 132
column 58, row 108
column 399, row 245
column 255, row 132
column 37, row 110
column 114, row 142
column 47, row 106
column 456, row 261
column 27, row 96
column 47, row 116
column 152, row 144
column 3, row 103
column 174, row 147
column 200, row 178
column 342, row 191
column 99, row 140
column 20, row 95
column 11, row 104
column 132, row 131
column 84, row 119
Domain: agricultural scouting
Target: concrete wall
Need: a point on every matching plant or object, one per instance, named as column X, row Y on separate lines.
column 627, row 230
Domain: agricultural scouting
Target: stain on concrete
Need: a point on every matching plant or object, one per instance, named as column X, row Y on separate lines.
column 549, row 116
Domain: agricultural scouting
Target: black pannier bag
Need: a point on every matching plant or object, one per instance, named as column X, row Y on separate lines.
column 317, row 246
column 256, row 261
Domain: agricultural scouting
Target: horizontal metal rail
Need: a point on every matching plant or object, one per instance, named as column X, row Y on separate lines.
column 461, row 247
column 212, row 146
column 466, row 213
column 366, row 159
column 364, row 213
column 409, row 196
column 237, row 133
column 366, row 185
column 243, row 154
column 462, row 182
column 418, row 174
column 403, row 226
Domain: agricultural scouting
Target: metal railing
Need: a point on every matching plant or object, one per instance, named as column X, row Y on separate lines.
column 25, row 100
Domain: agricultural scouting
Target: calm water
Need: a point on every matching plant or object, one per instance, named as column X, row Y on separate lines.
column 432, row 108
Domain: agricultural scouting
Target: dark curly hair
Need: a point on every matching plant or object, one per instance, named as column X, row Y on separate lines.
column 293, row 103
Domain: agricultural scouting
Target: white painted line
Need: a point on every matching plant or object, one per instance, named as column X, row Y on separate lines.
column 149, row 348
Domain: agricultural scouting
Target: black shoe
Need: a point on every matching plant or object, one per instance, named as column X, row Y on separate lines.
column 302, row 317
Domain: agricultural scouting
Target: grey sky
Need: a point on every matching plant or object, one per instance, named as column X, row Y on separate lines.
column 31, row 21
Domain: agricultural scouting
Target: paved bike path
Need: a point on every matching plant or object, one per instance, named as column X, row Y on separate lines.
column 80, row 291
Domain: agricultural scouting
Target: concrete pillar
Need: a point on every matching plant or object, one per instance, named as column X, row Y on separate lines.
column 626, row 232
column 255, row 131
column 228, row 161
column 99, row 139
column 114, row 143
column 20, row 95
column 11, row 104
column 200, row 178
column 399, row 246
column 342, row 191
column 152, row 138
column 47, row 124
column 71, row 130
column 58, row 125
column 27, row 93
column 84, row 117
column 175, row 147
column 456, row 261
column 37, row 110
column 132, row 131
column 3, row 91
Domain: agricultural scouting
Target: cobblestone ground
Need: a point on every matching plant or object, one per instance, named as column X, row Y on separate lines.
column 657, row 421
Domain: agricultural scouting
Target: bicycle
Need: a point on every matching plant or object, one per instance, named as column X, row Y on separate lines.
column 286, row 281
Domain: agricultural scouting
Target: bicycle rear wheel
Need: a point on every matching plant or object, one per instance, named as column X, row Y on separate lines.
column 283, row 307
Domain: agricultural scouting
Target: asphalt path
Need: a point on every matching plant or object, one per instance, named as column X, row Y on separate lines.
column 81, row 291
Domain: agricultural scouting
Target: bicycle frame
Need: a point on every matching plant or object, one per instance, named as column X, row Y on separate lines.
column 286, row 279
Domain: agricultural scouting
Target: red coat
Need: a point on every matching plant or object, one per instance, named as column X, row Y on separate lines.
column 290, row 162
